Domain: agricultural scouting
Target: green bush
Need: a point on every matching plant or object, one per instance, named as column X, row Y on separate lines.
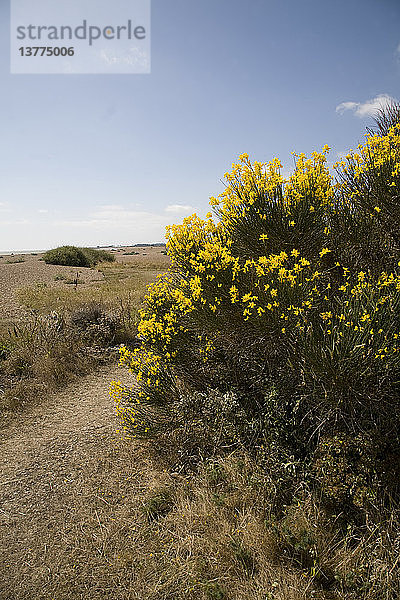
column 76, row 257
column 68, row 256
column 278, row 323
column 96, row 256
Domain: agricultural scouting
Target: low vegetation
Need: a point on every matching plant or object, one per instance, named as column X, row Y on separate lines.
column 69, row 330
column 275, row 333
column 259, row 452
column 16, row 260
column 77, row 257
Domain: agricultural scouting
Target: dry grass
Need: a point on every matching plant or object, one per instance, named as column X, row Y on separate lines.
column 37, row 357
column 87, row 515
column 15, row 275
column 122, row 282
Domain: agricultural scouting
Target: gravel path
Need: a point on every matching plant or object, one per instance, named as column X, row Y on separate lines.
column 65, row 480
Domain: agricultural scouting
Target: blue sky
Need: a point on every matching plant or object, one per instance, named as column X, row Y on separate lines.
column 112, row 159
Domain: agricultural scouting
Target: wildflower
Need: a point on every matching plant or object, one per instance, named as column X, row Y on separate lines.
column 324, row 251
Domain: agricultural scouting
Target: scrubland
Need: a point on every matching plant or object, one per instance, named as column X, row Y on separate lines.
column 58, row 322
column 254, row 453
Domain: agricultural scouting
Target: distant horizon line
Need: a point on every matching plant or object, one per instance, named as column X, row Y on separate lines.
column 41, row 251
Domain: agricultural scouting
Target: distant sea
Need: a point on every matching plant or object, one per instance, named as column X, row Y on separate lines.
column 9, row 252
column 117, row 247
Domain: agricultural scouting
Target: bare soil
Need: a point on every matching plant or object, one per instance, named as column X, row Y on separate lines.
column 71, row 486
column 67, row 485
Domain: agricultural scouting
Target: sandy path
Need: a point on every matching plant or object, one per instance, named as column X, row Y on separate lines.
column 68, row 485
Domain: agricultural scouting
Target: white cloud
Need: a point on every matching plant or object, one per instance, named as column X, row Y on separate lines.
column 368, row 108
column 114, row 208
column 43, row 211
column 133, row 57
column 4, row 207
column 343, row 106
column 103, row 225
column 179, row 209
column 15, row 222
column 115, row 224
column 114, row 215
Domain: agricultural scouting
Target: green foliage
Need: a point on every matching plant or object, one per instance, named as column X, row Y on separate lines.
column 68, row 256
column 214, row 591
column 5, row 349
column 13, row 261
column 278, row 325
column 96, row 256
column 243, row 556
column 76, row 257
column 158, row 504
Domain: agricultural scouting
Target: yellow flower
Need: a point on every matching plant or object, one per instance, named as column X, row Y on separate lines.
column 324, row 251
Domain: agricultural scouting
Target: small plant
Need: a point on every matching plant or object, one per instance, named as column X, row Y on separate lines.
column 214, row 473
column 13, row 261
column 158, row 505
column 243, row 556
column 97, row 324
column 5, row 349
column 214, row 591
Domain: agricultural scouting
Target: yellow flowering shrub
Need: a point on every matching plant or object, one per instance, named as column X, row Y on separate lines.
column 280, row 302
column 366, row 220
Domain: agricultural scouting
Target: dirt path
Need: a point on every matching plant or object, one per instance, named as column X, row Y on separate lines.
column 69, row 492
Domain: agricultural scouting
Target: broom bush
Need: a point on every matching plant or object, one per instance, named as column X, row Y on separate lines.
column 277, row 326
